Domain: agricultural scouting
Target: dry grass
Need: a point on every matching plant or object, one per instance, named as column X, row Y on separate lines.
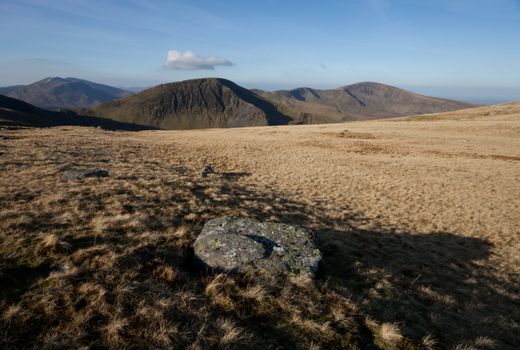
column 418, row 224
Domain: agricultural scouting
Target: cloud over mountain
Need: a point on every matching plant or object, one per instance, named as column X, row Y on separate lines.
column 188, row 60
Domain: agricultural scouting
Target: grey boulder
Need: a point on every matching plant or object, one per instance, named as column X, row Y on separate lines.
column 246, row 245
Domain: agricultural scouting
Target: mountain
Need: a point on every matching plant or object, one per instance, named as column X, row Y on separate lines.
column 359, row 101
column 52, row 93
column 15, row 112
column 193, row 104
column 214, row 102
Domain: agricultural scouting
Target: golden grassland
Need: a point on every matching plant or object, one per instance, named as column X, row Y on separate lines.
column 418, row 220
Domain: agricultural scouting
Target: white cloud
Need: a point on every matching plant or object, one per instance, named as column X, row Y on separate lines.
column 188, row 60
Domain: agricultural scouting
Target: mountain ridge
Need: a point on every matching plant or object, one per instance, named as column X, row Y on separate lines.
column 358, row 101
column 216, row 102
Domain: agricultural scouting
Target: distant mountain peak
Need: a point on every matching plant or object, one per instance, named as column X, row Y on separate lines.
column 49, row 80
column 69, row 93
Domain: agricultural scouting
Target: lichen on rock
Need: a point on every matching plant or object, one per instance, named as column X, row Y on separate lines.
column 242, row 244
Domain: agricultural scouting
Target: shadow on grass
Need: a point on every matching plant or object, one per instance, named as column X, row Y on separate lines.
column 434, row 284
column 234, row 175
column 430, row 284
column 16, row 278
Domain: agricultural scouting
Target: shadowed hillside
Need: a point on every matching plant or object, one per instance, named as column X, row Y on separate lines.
column 58, row 92
column 194, row 104
column 14, row 112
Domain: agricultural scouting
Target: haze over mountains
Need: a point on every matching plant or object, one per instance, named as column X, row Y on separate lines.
column 220, row 103
column 52, row 93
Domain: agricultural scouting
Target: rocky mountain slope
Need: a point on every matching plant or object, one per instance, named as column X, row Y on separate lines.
column 53, row 93
column 194, row 104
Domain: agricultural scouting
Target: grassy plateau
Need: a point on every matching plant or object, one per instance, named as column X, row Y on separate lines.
column 418, row 220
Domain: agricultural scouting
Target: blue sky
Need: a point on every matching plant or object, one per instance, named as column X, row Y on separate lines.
column 455, row 48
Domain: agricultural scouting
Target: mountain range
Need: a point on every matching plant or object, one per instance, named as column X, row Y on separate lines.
column 54, row 93
column 220, row 103
column 215, row 102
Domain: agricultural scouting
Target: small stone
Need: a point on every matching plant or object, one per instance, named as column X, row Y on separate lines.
column 207, row 170
column 62, row 268
column 78, row 174
column 244, row 245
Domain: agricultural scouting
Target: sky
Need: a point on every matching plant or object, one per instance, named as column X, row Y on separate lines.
column 467, row 49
